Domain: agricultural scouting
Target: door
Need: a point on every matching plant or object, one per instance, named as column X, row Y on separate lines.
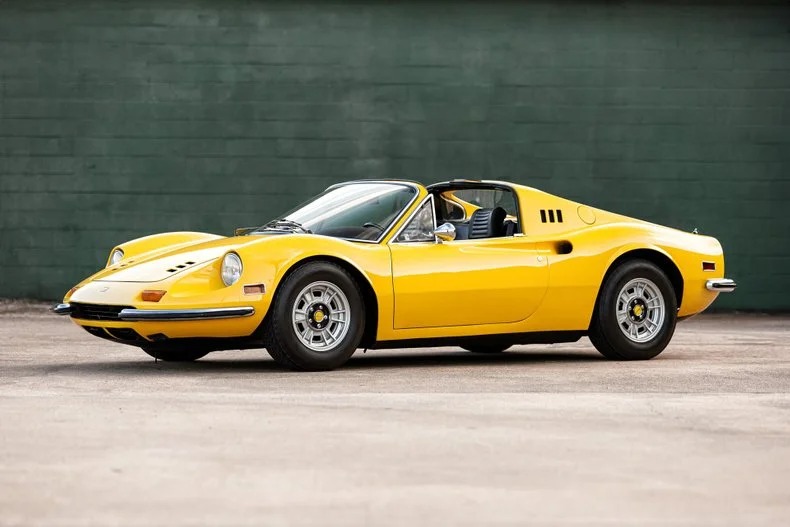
column 463, row 282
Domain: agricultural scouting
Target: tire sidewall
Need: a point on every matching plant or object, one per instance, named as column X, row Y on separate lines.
column 283, row 307
column 607, row 311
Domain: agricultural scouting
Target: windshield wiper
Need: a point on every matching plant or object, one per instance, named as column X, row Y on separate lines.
column 284, row 224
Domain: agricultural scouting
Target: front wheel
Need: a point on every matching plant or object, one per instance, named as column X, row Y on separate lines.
column 317, row 319
column 636, row 313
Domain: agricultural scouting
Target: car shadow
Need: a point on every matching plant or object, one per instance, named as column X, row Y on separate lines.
column 438, row 359
column 222, row 362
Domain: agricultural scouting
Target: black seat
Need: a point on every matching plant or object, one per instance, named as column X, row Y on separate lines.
column 487, row 223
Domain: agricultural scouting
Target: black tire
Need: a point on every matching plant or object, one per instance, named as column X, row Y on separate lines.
column 282, row 342
column 176, row 354
column 487, row 348
column 608, row 336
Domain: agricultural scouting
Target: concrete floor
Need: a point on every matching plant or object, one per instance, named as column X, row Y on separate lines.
column 97, row 433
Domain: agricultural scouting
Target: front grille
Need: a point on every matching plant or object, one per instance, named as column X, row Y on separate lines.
column 96, row 311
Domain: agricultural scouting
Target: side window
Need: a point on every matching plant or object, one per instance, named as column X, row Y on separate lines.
column 420, row 228
column 490, row 198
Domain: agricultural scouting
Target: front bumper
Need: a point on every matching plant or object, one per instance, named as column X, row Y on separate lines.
column 721, row 285
column 158, row 315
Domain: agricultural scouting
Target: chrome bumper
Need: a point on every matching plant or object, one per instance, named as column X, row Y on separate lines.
column 62, row 309
column 138, row 315
column 722, row 285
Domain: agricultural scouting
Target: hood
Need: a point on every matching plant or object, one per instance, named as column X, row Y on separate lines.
column 170, row 263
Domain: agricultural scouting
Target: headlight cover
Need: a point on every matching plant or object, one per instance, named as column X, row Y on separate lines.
column 117, row 256
column 231, row 269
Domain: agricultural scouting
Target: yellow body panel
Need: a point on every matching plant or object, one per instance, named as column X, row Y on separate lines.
column 466, row 283
column 544, row 279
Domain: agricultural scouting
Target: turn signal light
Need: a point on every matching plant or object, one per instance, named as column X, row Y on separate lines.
column 254, row 289
column 708, row 266
column 153, row 295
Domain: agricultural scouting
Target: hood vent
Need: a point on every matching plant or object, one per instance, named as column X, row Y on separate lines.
column 180, row 267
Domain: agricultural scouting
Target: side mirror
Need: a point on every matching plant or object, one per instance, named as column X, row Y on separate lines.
column 445, row 232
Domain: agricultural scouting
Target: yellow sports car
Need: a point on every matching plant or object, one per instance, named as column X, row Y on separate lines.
column 482, row 265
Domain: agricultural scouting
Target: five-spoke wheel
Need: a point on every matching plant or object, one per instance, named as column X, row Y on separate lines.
column 317, row 319
column 321, row 315
column 640, row 310
column 636, row 312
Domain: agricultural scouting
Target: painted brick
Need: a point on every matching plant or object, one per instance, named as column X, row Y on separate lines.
column 124, row 119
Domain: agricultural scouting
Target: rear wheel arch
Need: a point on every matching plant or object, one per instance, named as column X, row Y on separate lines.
column 658, row 258
column 368, row 294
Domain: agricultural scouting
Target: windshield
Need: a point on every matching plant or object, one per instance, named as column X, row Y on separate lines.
column 359, row 211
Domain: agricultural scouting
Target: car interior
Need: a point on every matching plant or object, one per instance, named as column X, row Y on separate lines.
column 478, row 212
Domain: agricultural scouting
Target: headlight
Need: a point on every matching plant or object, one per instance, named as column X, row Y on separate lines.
column 231, row 269
column 117, row 256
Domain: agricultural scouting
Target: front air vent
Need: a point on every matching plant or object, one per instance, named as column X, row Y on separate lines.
column 551, row 216
column 95, row 311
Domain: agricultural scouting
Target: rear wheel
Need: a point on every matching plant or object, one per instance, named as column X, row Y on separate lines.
column 636, row 313
column 317, row 319
column 176, row 354
column 486, row 348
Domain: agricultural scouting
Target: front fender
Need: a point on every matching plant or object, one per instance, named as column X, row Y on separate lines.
column 267, row 262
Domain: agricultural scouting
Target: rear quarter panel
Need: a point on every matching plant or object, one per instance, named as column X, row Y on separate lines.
column 575, row 278
column 597, row 239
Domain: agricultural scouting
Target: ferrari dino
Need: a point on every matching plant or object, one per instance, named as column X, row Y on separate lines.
column 483, row 265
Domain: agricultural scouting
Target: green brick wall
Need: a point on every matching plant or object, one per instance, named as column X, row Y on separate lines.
column 120, row 119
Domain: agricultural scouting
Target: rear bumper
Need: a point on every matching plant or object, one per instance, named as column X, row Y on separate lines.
column 158, row 315
column 721, row 285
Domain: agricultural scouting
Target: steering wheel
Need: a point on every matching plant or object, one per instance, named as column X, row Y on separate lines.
column 374, row 225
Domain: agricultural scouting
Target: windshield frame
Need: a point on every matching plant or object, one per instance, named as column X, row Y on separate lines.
column 388, row 229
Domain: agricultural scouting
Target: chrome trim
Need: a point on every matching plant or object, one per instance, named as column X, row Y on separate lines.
column 721, row 285
column 445, row 232
column 62, row 309
column 411, row 217
column 413, row 184
column 136, row 315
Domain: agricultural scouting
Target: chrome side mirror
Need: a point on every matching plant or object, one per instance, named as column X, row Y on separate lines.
column 445, row 232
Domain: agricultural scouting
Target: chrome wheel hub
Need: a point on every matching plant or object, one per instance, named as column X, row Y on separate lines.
column 640, row 310
column 321, row 316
